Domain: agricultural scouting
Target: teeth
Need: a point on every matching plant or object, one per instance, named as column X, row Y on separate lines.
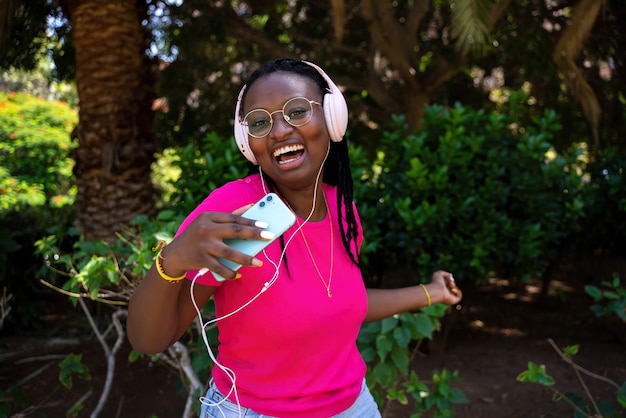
column 288, row 148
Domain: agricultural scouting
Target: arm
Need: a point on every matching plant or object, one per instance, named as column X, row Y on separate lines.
column 159, row 311
column 383, row 303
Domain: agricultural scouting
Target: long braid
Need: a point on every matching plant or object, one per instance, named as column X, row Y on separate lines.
column 345, row 189
column 341, row 176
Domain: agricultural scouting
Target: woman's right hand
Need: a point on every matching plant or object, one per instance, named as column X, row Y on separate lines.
column 201, row 244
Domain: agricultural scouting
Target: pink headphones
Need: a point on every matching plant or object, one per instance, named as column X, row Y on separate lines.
column 335, row 114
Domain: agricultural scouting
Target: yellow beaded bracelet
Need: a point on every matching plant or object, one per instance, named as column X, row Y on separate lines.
column 427, row 294
column 159, row 264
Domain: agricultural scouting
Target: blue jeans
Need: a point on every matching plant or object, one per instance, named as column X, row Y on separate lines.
column 363, row 407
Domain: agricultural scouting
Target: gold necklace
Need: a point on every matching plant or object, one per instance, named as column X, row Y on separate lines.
column 332, row 251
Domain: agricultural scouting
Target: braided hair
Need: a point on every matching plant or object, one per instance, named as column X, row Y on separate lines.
column 337, row 170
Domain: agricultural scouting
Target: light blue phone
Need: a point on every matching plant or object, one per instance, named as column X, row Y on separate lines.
column 271, row 210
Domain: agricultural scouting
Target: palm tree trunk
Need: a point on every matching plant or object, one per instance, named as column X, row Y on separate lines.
column 116, row 85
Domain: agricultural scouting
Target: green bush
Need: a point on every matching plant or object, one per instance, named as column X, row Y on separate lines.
column 35, row 165
column 36, row 189
column 92, row 266
column 388, row 348
column 605, row 203
column 203, row 168
column 470, row 192
column 609, row 298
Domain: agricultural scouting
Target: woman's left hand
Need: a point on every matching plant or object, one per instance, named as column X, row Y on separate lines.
column 444, row 286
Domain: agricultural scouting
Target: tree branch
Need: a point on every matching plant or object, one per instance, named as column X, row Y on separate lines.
column 568, row 49
column 179, row 359
column 579, row 368
column 390, row 41
column 109, row 353
column 414, row 20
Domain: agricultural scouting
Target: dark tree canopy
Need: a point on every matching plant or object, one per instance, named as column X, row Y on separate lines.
column 388, row 57
column 22, row 32
column 390, row 60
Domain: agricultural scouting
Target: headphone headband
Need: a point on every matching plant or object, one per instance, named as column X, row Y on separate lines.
column 335, row 115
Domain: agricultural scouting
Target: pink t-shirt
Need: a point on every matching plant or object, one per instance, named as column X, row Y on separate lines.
column 293, row 349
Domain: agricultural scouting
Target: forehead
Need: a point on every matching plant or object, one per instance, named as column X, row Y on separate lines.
column 271, row 91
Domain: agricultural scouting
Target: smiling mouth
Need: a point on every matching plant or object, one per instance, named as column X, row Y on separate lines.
column 288, row 153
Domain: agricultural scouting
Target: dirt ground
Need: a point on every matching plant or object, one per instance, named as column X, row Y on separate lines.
column 489, row 341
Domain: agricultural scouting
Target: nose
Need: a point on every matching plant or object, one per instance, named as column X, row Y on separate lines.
column 280, row 126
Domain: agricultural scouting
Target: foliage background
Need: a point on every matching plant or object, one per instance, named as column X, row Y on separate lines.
column 502, row 177
column 36, row 191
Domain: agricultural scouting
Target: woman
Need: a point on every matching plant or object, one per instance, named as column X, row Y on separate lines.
column 289, row 318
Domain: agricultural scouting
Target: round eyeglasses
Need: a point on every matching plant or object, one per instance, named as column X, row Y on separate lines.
column 296, row 111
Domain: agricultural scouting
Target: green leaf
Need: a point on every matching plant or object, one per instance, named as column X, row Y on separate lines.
column 424, row 325
column 71, row 365
column 577, row 400
column 134, row 356
column 400, row 358
column 397, row 395
column 368, row 354
column 594, row 292
column 385, row 374
column 389, row 324
column 383, row 346
column 536, row 374
column 608, row 410
column 402, row 335
column 571, row 350
column 457, row 396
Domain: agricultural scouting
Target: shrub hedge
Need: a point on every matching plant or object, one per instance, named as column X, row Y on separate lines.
column 36, row 189
column 473, row 192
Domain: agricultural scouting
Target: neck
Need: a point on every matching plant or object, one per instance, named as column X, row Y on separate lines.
column 309, row 202
column 301, row 202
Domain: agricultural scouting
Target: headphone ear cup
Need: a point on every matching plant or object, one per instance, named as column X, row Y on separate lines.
column 335, row 108
column 336, row 116
column 241, row 134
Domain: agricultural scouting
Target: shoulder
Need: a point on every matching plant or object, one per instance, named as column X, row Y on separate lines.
column 234, row 194
column 229, row 197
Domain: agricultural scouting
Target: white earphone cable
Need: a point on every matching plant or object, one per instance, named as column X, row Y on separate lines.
column 229, row 372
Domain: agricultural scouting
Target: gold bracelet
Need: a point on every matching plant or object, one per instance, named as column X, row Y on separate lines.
column 159, row 264
column 427, row 294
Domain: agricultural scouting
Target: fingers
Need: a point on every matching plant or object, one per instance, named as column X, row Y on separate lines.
column 242, row 209
column 446, row 279
column 451, row 283
column 209, row 238
column 224, row 260
column 229, row 226
column 457, row 295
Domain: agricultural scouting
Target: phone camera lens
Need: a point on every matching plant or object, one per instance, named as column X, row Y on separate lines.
column 269, row 198
column 262, row 204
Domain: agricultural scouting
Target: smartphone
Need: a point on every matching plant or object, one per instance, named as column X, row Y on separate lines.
column 271, row 210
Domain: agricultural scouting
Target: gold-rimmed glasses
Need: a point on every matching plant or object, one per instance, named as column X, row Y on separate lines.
column 297, row 112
